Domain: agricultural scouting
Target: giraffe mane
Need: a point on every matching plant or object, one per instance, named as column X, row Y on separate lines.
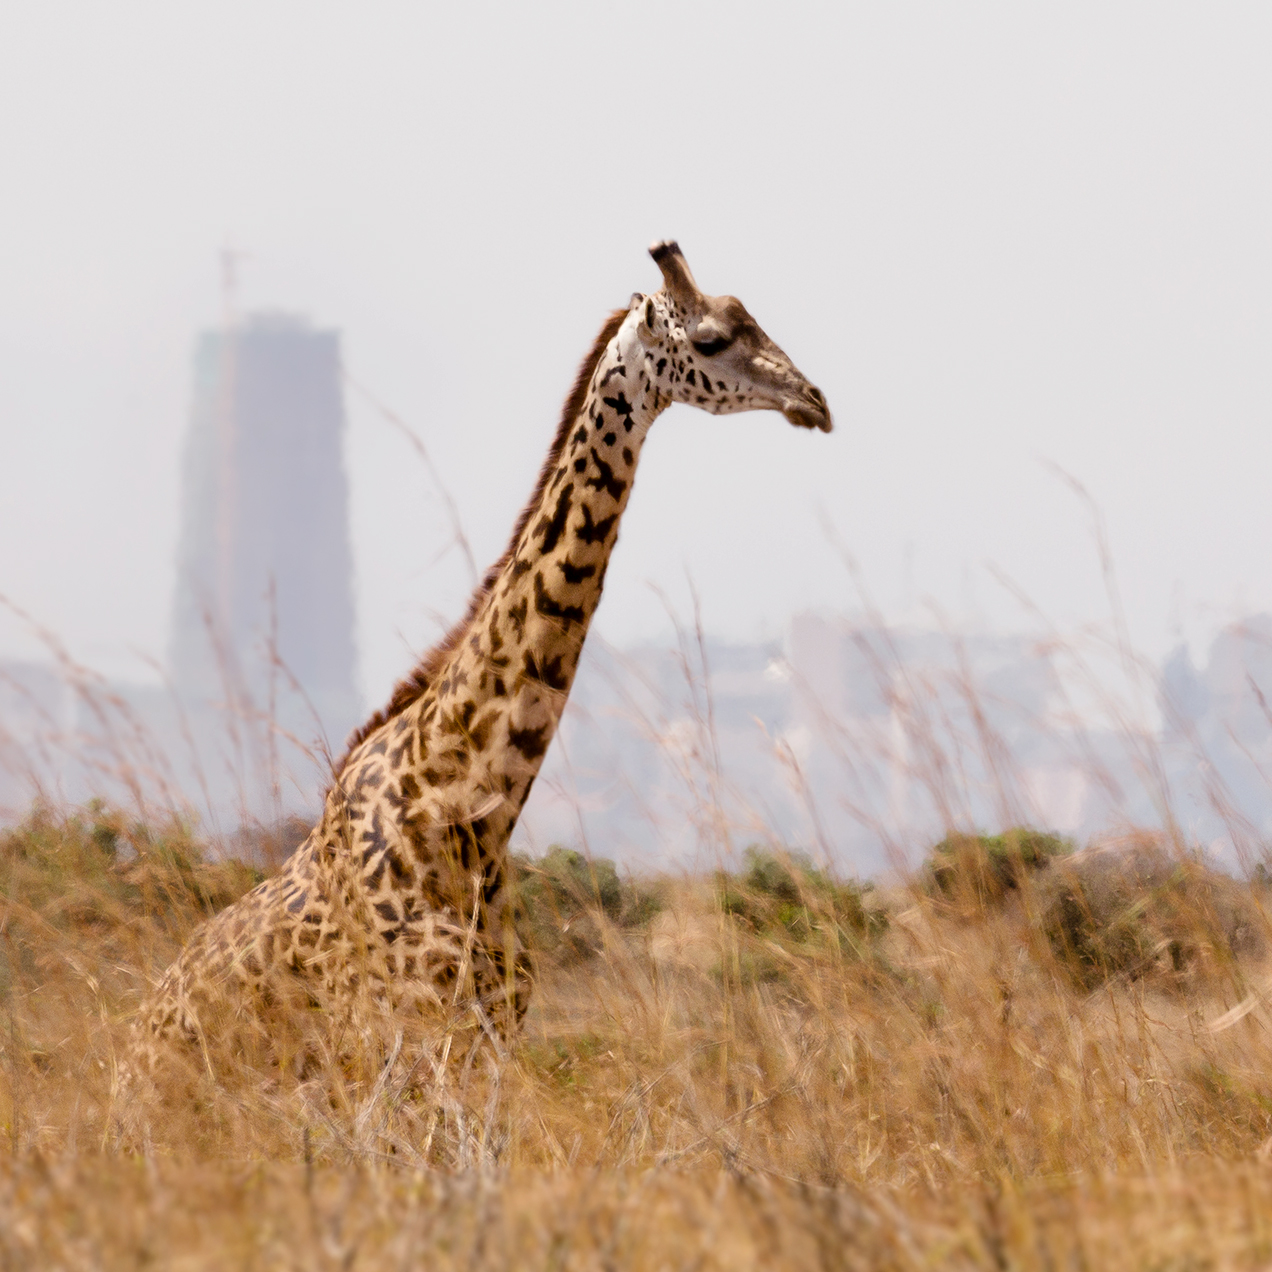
column 409, row 689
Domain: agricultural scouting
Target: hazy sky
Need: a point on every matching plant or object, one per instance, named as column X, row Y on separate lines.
column 999, row 237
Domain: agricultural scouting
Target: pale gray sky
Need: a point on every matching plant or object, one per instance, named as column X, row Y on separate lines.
column 996, row 235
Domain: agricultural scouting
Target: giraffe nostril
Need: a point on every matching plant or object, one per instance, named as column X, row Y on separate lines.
column 817, row 395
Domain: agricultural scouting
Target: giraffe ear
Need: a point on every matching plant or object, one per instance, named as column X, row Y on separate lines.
column 645, row 328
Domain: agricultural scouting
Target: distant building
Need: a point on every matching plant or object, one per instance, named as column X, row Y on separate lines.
column 263, row 676
column 910, row 733
column 263, row 618
column 1217, row 735
column 856, row 742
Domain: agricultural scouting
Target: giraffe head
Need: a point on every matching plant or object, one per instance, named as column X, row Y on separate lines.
column 708, row 351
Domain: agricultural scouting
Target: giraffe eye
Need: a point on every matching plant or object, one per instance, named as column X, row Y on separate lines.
column 649, row 314
column 712, row 345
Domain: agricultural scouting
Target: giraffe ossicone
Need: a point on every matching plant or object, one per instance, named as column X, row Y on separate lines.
column 402, row 892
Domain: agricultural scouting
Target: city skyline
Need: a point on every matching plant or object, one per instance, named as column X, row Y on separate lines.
column 1000, row 244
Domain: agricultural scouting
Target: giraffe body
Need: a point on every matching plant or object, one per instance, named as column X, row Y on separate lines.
column 402, row 890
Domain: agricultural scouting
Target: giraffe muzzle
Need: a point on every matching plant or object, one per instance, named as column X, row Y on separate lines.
column 807, row 409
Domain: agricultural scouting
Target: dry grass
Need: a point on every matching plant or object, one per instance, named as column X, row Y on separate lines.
column 772, row 1070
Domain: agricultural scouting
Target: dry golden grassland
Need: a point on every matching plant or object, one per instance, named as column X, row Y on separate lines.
column 1018, row 1060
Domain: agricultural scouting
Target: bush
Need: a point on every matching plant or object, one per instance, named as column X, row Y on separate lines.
column 1140, row 908
column 564, row 894
column 106, row 887
column 785, row 893
column 979, row 871
column 99, row 868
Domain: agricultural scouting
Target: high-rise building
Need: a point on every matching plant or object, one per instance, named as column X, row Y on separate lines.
column 264, row 615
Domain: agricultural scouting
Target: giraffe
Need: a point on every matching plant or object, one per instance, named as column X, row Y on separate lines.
column 402, row 889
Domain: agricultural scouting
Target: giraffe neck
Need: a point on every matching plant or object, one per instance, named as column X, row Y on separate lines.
column 510, row 674
column 465, row 752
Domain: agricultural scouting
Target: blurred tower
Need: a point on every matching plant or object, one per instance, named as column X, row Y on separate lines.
column 263, row 616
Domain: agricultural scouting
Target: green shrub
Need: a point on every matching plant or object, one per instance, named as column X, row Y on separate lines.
column 784, row 893
column 96, row 880
column 97, row 867
column 564, row 895
column 979, row 871
column 1140, row 909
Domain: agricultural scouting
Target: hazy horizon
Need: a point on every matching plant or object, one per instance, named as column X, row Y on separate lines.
column 1004, row 242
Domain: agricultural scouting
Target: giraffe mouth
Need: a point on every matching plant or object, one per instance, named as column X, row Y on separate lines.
column 808, row 409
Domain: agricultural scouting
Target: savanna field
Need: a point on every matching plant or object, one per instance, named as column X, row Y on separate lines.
column 1024, row 1056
